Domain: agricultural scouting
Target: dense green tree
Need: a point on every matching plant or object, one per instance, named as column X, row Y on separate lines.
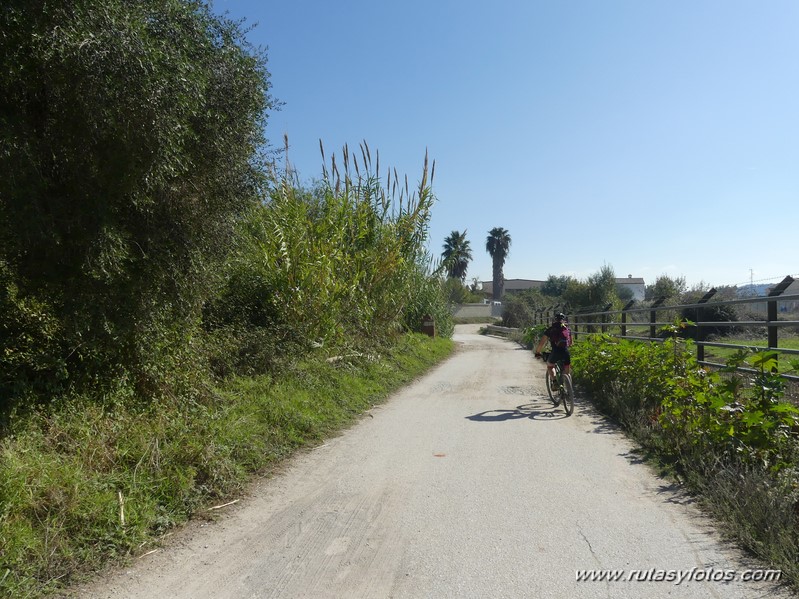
column 577, row 294
column 498, row 246
column 555, row 286
column 458, row 293
column 602, row 287
column 519, row 309
column 129, row 134
column 596, row 292
column 666, row 286
column 624, row 293
column 456, row 255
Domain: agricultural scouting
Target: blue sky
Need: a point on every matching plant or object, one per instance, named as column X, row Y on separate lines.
column 657, row 137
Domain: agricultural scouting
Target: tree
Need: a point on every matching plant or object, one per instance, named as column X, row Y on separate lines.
column 625, row 293
column 577, row 294
column 596, row 292
column 498, row 247
column 129, row 141
column 666, row 286
column 602, row 287
column 519, row 309
column 458, row 293
column 457, row 254
column 555, row 286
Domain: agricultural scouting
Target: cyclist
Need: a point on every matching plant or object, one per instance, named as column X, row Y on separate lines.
column 559, row 337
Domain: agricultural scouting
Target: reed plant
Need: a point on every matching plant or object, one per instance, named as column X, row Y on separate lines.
column 328, row 266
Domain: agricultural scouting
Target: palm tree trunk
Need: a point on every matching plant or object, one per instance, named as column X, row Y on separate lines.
column 499, row 282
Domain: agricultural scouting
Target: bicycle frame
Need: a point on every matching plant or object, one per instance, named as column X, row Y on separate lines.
column 564, row 393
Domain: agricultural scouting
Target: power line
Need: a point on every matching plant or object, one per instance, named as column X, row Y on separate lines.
column 768, row 280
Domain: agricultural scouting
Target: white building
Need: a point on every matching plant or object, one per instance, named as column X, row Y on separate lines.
column 636, row 285
column 512, row 286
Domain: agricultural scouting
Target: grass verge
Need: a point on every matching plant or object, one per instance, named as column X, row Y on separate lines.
column 88, row 483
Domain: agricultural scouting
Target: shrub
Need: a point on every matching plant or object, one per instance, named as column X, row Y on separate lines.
column 709, row 313
column 327, row 266
column 731, row 436
column 519, row 309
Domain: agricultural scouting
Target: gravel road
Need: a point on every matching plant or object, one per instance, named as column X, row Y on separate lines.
column 467, row 483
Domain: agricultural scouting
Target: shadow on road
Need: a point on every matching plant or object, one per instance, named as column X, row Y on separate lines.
column 536, row 410
column 601, row 424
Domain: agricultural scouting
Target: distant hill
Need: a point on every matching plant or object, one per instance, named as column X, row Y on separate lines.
column 754, row 290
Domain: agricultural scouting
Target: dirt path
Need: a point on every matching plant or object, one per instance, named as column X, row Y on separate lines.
column 466, row 484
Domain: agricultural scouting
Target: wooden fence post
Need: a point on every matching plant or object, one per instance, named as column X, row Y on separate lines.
column 700, row 332
column 624, row 317
column 653, row 316
column 771, row 313
column 604, row 327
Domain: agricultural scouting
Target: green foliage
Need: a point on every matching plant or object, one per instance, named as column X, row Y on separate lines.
column 140, row 241
column 555, row 286
column 65, row 474
column 596, row 292
column 456, row 255
column 694, row 412
column 577, row 294
column 711, row 312
column 325, row 266
column 531, row 335
column 602, row 289
column 732, row 420
column 730, row 435
column 427, row 299
column 128, row 135
column 498, row 246
column 666, row 286
column 627, row 379
column 518, row 310
column 624, row 293
column 457, row 293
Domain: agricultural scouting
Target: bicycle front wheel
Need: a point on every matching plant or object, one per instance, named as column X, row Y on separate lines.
column 568, row 394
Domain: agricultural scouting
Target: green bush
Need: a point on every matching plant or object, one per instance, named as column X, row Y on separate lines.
column 329, row 267
column 532, row 335
column 518, row 310
column 710, row 313
column 730, row 436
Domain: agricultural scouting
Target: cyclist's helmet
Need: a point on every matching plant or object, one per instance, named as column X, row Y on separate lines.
column 560, row 317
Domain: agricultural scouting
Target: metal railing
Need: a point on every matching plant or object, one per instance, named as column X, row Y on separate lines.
column 631, row 321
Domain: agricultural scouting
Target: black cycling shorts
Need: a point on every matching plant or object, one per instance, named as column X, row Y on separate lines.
column 559, row 353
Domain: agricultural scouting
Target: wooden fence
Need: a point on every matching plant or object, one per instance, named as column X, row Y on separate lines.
column 646, row 322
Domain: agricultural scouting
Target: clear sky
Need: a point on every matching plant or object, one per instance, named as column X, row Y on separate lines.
column 654, row 136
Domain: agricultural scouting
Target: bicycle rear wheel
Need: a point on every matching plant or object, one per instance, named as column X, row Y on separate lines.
column 568, row 394
column 552, row 388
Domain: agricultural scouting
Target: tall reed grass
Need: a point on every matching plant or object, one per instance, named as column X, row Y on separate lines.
column 333, row 265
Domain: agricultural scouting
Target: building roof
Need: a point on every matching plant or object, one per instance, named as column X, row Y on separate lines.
column 514, row 284
column 630, row 280
column 522, row 284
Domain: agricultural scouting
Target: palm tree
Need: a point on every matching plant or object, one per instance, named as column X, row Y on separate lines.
column 498, row 246
column 456, row 255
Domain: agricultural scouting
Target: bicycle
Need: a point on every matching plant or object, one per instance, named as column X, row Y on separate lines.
column 564, row 393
